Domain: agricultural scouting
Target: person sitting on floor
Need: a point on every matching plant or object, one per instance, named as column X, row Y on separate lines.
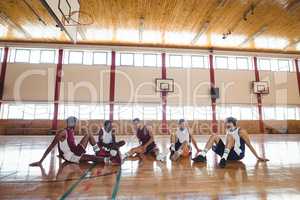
column 146, row 140
column 109, row 148
column 67, row 147
column 234, row 147
column 180, row 142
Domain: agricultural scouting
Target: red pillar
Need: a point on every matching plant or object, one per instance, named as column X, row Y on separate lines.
column 213, row 99
column 164, row 95
column 298, row 74
column 112, row 85
column 259, row 99
column 57, row 88
column 2, row 75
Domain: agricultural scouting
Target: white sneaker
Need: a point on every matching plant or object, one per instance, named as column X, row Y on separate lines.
column 160, row 157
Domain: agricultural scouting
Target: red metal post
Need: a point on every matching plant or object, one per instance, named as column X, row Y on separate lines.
column 164, row 95
column 213, row 99
column 57, row 88
column 259, row 99
column 3, row 72
column 298, row 74
column 112, row 85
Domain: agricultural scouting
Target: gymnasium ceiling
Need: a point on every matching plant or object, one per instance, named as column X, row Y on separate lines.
column 255, row 25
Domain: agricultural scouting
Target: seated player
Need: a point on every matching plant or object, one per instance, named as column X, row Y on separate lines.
column 234, row 147
column 146, row 140
column 107, row 143
column 67, row 147
column 180, row 142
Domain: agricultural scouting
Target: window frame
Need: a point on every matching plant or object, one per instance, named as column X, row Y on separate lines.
column 69, row 56
column 22, row 49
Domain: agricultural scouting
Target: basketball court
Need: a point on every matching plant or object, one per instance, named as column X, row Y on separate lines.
column 123, row 99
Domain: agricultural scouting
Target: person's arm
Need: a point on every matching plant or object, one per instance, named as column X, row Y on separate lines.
column 194, row 142
column 150, row 140
column 244, row 135
column 48, row 150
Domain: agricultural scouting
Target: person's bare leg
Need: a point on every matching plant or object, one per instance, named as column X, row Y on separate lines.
column 135, row 150
column 228, row 146
column 213, row 139
column 89, row 138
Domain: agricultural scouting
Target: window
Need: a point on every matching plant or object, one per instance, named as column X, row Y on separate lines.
column 150, row 60
column 16, row 111
column 75, row 57
column 242, row 63
column 269, row 113
column 221, row 62
column 274, row 64
column 175, row 61
column 47, row 56
column 22, row 55
column 232, row 63
column 198, row 61
column 42, row 111
column 127, row 59
column 97, row 112
column 100, row 58
column 138, row 60
column 35, row 56
column 29, row 110
column 264, row 64
column 187, row 61
column 87, row 58
column 1, row 57
column 283, row 65
column 150, row 113
column 246, row 113
column 188, row 112
column 126, row 112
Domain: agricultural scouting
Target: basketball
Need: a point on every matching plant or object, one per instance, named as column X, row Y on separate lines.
column 185, row 151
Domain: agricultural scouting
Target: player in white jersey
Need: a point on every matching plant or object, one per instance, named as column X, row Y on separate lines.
column 180, row 142
column 234, row 147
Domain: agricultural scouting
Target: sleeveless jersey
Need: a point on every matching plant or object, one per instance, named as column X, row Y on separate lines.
column 183, row 136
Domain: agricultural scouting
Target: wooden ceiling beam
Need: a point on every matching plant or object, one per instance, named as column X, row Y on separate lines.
column 4, row 18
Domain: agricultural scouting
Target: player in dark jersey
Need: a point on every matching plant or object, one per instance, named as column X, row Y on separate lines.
column 233, row 148
column 146, row 140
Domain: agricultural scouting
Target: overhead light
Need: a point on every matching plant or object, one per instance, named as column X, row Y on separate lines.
column 141, row 29
column 202, row 30
column 9, row 22
column 262, row 30
column 294, row 43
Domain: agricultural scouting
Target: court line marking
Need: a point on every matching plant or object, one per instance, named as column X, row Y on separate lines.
column 73, row 186
column 12, row 173
column 57, row 181
column 117, row 185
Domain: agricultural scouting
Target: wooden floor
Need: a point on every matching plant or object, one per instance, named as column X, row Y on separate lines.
column 147, row 179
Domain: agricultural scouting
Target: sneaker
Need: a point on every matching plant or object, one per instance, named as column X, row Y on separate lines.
column 222, row 163
column 175, row 156
column 199, row 158
column 161, row 157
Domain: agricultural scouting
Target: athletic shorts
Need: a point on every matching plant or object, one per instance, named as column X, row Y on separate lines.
column 220, row 147
column 71, row 157
column 151, row 148
column 78, row 150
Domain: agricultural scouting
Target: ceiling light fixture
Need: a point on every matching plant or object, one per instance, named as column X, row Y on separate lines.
column 9, row 22
column 202, row 30
column 255, row 35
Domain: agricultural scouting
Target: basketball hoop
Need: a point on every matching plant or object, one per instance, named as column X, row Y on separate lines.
column 77, row 18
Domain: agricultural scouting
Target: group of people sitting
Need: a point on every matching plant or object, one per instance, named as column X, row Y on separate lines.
column 107, row 148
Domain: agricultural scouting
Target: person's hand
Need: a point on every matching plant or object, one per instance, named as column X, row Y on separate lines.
column 262, row 159
column 35, row 164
